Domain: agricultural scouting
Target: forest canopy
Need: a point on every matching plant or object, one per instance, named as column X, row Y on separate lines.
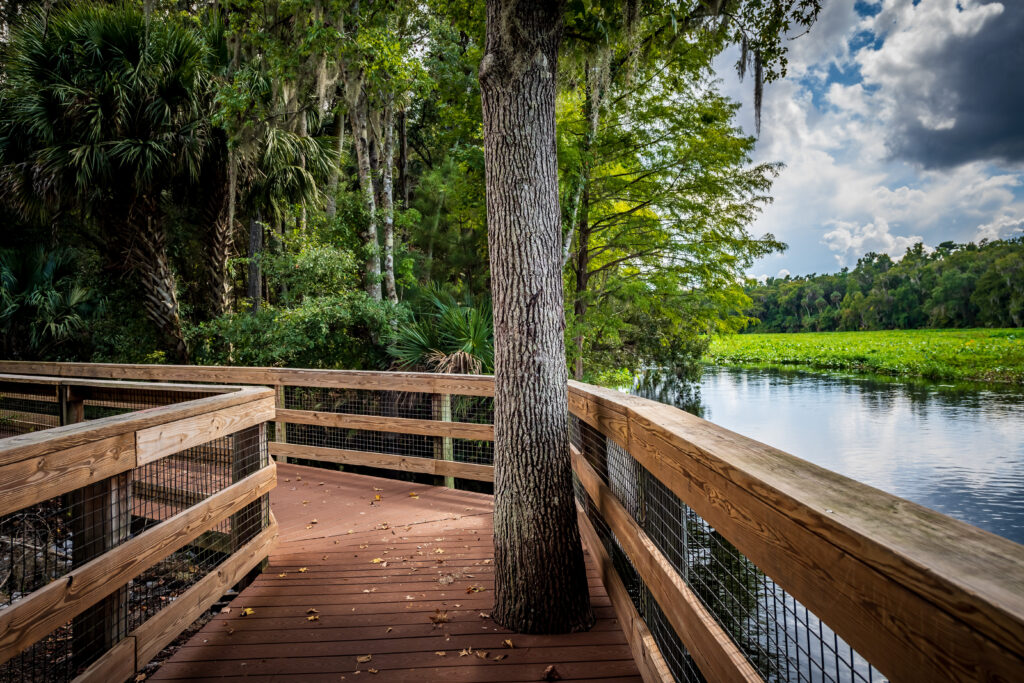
column 301, row 183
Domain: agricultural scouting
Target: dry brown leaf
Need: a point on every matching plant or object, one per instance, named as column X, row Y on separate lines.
column 413, row 494
column 282, row 574
column 303, row 570
column 376, row 560
column 475, row 589
column 313, row 617
column 247, row 611
column 441, row 653
column 507, row 643
column 377, row 498
column 481, row 654
column 229, row 630
column 226, row 610
column 312, row 610
column 373, row 671
column 364, row 658
column 314, row 521
column 465, row 653
column 389, row 630
column 309, row 526
column 500, row 657
column 305, row 502
column 485, row 615
column 439, row 617
column 551, row 674
column 377, row 489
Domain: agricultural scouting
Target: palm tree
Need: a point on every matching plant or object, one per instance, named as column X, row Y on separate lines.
column 103, row 112
column 452, row 337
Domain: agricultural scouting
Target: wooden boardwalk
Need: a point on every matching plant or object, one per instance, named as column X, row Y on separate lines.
column 355, row 587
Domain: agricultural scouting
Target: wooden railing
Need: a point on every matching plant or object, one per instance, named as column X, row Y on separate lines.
column 919, row 595
column 118, row 486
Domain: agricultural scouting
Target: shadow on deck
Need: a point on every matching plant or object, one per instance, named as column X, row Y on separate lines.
column 376, row 572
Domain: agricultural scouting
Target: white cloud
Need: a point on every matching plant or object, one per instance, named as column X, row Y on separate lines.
column 851, row 241
column 842, row 192
column 783, row 273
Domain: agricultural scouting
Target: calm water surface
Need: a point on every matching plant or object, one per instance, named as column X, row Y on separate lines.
column 956, row 449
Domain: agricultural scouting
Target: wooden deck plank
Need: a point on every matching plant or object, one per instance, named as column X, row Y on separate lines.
column 437, row 544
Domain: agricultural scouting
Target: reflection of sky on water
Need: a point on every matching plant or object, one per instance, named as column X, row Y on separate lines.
column 956, row 450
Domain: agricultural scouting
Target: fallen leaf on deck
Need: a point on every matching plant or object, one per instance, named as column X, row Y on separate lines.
column 441, row 653
column 309, row 526
column 507, row 643
column 439, row 551
column 439, row 617
column 305, row 502
column 313, row 617
column 485, row 615
column 247, row 611
column 487, row 561
column 500, row 657
column 282, row 574
column 551, row 674
column 303, row 570
column 475, row 589
column 314, row 521
column 409, row 597
column 320, row 484
column 364, row 658
column 298, row 478
column 413, row 494
column 377, row 497
column 376, row 560
column 389, row 630
column 373, row 671
column 377, row 489
column 481, row 654
column 312, row 610
column 324, row 557
column 229, row 630
column 466, row 653
column 226, row 610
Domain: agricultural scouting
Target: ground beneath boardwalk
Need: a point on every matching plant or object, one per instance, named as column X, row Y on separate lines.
column 380, row 580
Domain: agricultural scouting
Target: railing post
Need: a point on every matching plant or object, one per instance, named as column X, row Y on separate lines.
column 444, row 448
column 280, row 428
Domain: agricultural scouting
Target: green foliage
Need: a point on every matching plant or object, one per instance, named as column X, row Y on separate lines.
column 956, row 285
column 44, row 307
column 448, row 335
column 978, row 354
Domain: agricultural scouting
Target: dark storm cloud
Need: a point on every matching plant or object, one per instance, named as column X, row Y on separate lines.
column 981, row 84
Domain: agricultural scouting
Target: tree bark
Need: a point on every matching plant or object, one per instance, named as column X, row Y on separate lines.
column 388, row 204
column 255, row 291
column 540, row 577
column 331, row 208
column 220, row 246
column 148, row 256
column 360, row 140
column 403, row 160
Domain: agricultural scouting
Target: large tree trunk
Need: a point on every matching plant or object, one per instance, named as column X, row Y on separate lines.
column 388, row 205
column 360, row 139
column 148, row 257
column 540, row 578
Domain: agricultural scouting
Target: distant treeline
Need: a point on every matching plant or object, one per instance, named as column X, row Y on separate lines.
column 956, row 285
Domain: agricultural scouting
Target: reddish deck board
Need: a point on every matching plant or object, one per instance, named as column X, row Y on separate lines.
column 376, row 572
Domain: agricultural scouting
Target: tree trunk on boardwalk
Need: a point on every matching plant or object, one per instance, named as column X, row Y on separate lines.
column 255, row 291
column 387, row 204
column 540, row 578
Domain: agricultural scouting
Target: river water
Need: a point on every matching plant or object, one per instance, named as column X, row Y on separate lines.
column 958, row 449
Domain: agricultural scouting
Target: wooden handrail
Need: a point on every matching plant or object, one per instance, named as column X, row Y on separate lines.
column 919, row 594
column 417, row 382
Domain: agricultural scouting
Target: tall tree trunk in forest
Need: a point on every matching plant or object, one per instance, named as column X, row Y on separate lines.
column 148, row 258
column 339, row 147
column 360, row 140
column 580, row 211
column 403, row 160
column 388, row 204
column 255, row 290
column 540, row 578
column 219, row 252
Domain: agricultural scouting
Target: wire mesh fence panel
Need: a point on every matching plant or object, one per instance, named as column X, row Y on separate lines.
column 782, row 639
column 42, row 543
column 22, row 412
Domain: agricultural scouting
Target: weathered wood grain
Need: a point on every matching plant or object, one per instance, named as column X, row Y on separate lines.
column 37, row 479
column 422, row 382
column 24, row 446
column 397, row 425
column 165, row 439
column 34, row 616
column 462, row 470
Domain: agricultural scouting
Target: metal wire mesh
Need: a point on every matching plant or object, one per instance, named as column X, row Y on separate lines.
column 27, row 408
column 781, row 638
column 42, row 543
column 391, row 404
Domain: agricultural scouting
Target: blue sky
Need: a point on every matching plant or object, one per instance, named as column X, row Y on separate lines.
column 899, row 122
